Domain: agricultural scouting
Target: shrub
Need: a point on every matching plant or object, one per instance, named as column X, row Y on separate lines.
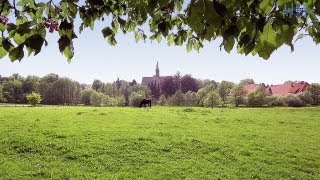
column 257, row 98
column 314, row 90
column 34, row 98
column 212, row 99
column 202, row 93
column 86, row 96
column 191, row 98
column 1, row 95
column 120, row 101
column 162, row 100
column 306, row 98
column 238, row 95
column 294, row 101
column 178, row 99
column 98, row 99
column 135, row 99
column 275, row 101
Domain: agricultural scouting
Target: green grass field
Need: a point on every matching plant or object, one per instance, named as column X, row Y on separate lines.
column 159, row 143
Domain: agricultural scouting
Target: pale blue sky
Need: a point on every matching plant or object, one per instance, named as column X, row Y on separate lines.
column 95, row 59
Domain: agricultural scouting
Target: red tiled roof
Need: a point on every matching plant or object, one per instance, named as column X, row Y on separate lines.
column 284, row 89
column 251, row 87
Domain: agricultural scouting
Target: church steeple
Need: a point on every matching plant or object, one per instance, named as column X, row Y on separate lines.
column 157, row 70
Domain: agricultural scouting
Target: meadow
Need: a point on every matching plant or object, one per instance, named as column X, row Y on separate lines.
column 159, row 143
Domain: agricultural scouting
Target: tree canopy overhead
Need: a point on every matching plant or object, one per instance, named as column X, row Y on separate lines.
column 256, row 27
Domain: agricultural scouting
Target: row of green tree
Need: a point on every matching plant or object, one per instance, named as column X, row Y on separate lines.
column 177, row 90
column 229, row 94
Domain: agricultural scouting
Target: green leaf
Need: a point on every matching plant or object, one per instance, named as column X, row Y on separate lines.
column 266, row 6
column 11, row 27
column 218, row 7
column 137, row 36
column 18, row 39
column 170, row 39
column 64, row 42
column 65, row 25
column 214, row 13
column 267, row 41
column 159, row 38
column 189, row 45
column 197, row 45
column 246, row 49
column 7, row 45
column 16, row 53
column 115, row 25
column 68, row 52
column 35, row 42
column 285, row 34
column 73, row 9
column 23, row 3
column 163, row 27
column 196, row 16
column 107, row 32
column 3, row 52
column 2, row 27
column 283, row 2
column 122, row 22
column 228, row 44
column 112, row 40
column 210, row 33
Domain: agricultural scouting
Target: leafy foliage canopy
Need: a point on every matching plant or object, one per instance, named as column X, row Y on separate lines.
column 256, row 27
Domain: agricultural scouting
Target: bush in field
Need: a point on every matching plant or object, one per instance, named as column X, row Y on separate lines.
column 257, row 98
column 105, row 100
column 238, row 95
column 212, row 100
column 101, row 100
column 224, row 91
column 202, row 93
column 98, row 99
column 86, row 96
column 1, row 95
column 115, row 101
column 191, row 98
column 314, row 90
column 34, row 98
column 306, row 98
column 178, row 99
column 276, row 101
column 120, row 101
column 294, row 101
column 135, row 99
column 162, row 100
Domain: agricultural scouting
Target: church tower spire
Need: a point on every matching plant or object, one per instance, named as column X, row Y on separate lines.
column 157, row 70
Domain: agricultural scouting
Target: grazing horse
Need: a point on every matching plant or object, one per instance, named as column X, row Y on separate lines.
column 145, row 102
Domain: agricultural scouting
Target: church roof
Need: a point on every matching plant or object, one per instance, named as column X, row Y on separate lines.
column 157, row 78
column 148, row 80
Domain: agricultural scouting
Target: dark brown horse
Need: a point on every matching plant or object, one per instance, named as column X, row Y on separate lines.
column 145, row 102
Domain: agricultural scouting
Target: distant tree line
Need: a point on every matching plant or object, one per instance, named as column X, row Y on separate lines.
column 177, row 90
